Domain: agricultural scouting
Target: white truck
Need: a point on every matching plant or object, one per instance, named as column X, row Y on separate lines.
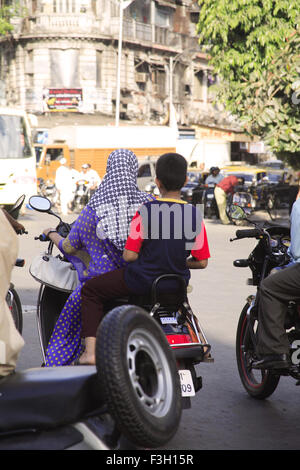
column 17, row 157
column 203, row 154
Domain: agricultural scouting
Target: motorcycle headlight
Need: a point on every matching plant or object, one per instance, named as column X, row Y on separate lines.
column 273, row 243
column 156, row 191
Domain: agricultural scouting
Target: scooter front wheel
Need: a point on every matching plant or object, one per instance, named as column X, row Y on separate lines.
column 259, row 384
column 138, row 373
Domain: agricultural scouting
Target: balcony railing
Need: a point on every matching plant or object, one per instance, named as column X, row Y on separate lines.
column 63, row 23
column 88, row 23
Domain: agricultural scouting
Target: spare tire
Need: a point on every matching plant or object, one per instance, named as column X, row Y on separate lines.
column 138, row 373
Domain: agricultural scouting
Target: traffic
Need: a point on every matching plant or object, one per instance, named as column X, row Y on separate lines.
column 146, row 353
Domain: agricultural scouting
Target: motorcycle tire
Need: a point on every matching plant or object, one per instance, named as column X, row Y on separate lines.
column 15, row 308
column 259, row 384
column 137, row 370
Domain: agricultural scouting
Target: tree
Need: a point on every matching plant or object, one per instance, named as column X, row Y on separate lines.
column 7, row 12
column 254, row 49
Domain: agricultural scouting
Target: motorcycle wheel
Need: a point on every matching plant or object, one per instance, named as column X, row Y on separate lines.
column 15, row 307
column 259, row 384
column 138, row 373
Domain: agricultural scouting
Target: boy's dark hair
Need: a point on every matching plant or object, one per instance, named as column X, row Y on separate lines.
column 171, row 169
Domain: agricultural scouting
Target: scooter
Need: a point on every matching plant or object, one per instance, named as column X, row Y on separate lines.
column 56, row 408
column 81, row 196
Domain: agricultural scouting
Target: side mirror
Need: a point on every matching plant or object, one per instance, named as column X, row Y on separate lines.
column 40, row 203
column 236, row 212
column 17, row 206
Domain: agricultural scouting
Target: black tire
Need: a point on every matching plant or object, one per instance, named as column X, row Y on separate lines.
column 15, row 307
column 259, row 384
column 272, row 206
column 138, row 373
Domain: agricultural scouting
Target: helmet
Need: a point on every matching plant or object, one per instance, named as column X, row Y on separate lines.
column 85, row 165
column 214, row 168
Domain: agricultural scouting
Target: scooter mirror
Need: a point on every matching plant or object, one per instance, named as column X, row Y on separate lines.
column 40, row 203
column 236, row 212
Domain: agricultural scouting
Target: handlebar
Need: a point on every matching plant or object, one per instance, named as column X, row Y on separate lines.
column 248, row 233
column 42, row 238
column 20, row 262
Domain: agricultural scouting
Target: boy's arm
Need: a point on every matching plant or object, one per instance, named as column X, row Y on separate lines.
column 200, row 252
column 134, row 240
column 130, row 256
column 193, row 263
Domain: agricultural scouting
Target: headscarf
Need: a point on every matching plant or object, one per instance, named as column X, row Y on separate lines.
column 118, row 197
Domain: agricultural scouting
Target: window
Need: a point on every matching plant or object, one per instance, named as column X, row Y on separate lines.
column 98, row 69
column 144, row 170
column 14, row 139
column 159, row 81
column 64, row 68
column 162, row 17
column 54, row 154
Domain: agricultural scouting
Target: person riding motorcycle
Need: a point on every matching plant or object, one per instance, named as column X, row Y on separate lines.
column 276, row 291
column 91, row 176
column 147, row 254
column 214, row 176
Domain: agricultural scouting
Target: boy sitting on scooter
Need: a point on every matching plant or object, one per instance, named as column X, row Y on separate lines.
column 163, row 234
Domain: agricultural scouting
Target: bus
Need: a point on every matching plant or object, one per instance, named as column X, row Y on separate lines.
column 17, row 157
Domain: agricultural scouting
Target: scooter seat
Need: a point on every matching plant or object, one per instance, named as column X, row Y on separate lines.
column 43, row 398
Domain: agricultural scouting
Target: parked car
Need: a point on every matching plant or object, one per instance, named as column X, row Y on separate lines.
column 146, row 172
column 195, row 181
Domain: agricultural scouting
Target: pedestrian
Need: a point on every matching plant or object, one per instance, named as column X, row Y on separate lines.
column 64, row 186
column 222, row 190
column 11, row 342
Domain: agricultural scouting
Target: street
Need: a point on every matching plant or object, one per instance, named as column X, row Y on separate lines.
column 223, row 416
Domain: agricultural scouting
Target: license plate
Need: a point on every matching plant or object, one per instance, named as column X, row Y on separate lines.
column 168, row 320
column 186, row 382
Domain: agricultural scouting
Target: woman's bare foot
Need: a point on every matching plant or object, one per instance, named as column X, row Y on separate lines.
column 88, row 357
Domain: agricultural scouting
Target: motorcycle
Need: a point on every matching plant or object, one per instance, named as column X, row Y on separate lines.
column 269, row 253
column 146, row 353
column 12, row 297
column 48, row 189
column 243, row 199
column 81, row 196
column 210, row 204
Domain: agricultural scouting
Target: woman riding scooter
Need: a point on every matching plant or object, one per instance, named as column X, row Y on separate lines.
column 95, row 246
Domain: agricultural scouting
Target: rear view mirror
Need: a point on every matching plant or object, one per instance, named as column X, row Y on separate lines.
column 40, row 203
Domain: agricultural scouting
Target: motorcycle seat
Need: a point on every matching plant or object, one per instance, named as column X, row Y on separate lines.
column 44, row 398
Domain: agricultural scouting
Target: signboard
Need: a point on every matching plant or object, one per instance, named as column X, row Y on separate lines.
column 256, row 147
column 64, row 99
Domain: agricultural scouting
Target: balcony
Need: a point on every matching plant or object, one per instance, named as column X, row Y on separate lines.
column 61, row 23
column 87, row 24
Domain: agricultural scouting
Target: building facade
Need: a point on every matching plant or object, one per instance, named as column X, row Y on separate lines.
column 63, row 56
